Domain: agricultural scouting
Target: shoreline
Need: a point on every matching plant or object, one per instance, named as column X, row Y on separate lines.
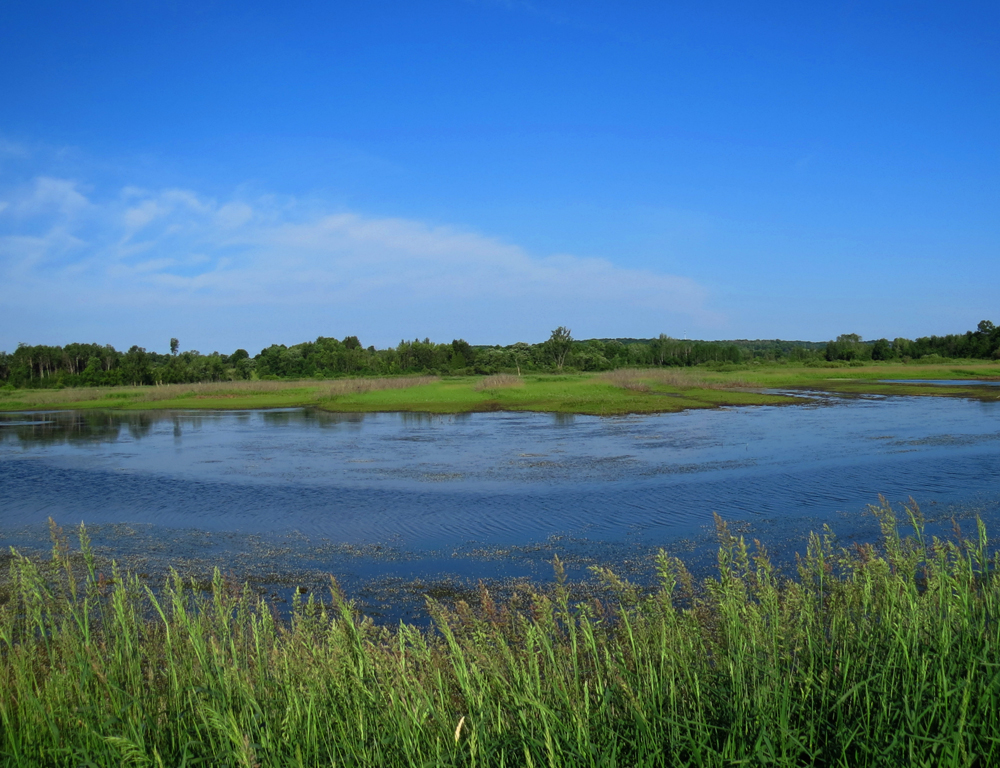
column 614, row 393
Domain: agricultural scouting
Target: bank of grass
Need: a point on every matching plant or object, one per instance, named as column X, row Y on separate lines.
column 861, row 379
column 615, row 392
column 568, row 393
column 228, row 394
column 877, row 656
column 225, row 395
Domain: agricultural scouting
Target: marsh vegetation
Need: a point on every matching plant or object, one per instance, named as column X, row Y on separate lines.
column 499, row 381
column 879, row 655
column 627, row 390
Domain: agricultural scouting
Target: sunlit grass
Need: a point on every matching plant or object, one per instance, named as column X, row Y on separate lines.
column 616, row 392
column 874, row 656
column 568, row 393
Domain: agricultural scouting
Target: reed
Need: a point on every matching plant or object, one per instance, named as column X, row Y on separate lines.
column 339, row 387
column 33, row 398
column 643, row 379
column 877, row 656
column 627, row 378
column 499, row 381
column 215, row 389
column 155, row 393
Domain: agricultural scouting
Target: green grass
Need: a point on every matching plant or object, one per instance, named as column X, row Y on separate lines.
column 576, row 393
column 617, row 392
column 227, row 395
column 880, row 656
column 863, row 378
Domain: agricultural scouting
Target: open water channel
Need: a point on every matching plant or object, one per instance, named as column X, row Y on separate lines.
column 396, row 505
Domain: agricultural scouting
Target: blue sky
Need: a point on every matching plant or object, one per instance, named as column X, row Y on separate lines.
column 237, row 174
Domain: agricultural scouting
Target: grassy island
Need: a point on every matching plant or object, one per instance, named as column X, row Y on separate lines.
column 624, row 391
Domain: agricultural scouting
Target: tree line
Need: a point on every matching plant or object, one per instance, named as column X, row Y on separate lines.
column 982, row 343
column 74, row 365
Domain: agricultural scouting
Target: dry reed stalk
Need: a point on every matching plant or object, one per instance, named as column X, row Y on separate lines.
column 57, row 396
column 639, row 379
column 341, row 387
column 626, row 378
column 210, row 388
column 498, row 381
column 158, row 392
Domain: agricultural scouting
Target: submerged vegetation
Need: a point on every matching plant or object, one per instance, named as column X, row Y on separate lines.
column 875, row 656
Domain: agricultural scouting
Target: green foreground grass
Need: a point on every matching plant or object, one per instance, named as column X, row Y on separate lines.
column 616, row 392
column 880, row 656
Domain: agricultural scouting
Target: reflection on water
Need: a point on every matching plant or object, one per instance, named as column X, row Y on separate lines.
column 65, row 427
column 69, row 427
column 434, row 489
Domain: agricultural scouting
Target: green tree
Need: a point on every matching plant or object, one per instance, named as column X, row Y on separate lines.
column 559, row 345
column 662, row 349
column 848, row 346
column 93, row 373
column 135, row 367
column 245, row 367
column 882, row 350
column 462, row 354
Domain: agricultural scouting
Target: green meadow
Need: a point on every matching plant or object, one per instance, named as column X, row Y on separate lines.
column 878, row 655
column 659, row 390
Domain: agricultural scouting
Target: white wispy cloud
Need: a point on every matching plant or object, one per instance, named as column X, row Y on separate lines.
column 48, row 196
column 249, row 262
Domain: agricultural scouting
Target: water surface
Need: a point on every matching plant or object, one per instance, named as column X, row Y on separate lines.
column 458, row 494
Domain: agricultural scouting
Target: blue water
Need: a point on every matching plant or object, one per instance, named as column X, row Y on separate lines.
column 455, row 494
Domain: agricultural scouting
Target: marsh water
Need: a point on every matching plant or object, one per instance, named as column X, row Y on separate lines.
column 409, row 499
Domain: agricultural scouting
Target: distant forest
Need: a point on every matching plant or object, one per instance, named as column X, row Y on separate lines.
column 76, row 365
